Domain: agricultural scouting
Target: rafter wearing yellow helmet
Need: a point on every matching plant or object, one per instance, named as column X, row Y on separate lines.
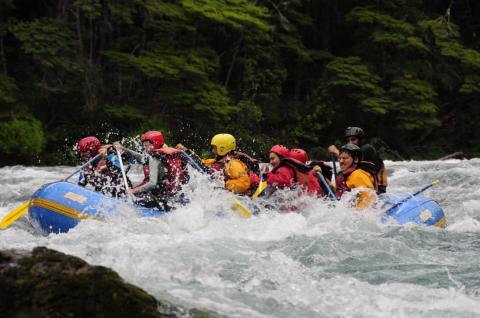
column 236, row 166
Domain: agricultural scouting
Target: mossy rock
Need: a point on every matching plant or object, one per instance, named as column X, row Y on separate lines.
column 47, row 283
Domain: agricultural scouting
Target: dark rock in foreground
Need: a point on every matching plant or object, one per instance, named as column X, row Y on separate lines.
column 47, row 283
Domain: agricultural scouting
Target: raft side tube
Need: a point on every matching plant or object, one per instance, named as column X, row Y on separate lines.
column 58, row 207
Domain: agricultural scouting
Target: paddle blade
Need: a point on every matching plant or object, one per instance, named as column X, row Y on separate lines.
column 262, row 186
column 240, row 208
column 14, row 215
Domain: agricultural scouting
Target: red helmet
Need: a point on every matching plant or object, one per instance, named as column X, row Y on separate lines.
column 155, row 137
column 299, row 154
column 280, row 150
column 89, row 144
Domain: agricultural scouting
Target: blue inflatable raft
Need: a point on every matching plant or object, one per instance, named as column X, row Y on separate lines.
column 58, row 207
column 417, row 209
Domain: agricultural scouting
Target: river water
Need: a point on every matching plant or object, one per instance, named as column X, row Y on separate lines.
column 322, row 262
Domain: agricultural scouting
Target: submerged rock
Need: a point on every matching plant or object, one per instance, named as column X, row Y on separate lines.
column 47, row 283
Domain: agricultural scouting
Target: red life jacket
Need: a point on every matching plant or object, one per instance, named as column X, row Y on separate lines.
column 146, row 175
column 218, row 165
column 341, row 181
column 281, row 176
column 314, row 187
column 176, row 166
column 303, row 175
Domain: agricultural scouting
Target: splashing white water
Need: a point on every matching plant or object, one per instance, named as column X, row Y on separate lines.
column 324, row 261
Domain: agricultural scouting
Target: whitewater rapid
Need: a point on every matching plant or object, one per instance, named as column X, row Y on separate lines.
column 323, row 262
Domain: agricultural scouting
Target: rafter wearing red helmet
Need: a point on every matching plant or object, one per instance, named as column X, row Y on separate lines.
column 103, row 174
column 164, row 170
column 282, row 175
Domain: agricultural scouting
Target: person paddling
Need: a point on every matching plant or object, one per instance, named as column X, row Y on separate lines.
column 239, row 170
column 356, row 136
column 281, row 175
column 353, row 175
column 103, row 174
column 313, row 186
column 164, row 169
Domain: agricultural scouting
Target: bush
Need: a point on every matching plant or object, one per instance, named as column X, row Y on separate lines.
column 21, row 138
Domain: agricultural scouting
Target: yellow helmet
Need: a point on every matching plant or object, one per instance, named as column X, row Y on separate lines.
column 224, row 143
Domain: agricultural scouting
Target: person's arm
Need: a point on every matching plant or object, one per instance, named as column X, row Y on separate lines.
column 238, row 177
column 382, row 179
column 334, row 150
column 283, row 177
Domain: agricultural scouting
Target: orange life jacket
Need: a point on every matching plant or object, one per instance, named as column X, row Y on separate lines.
column 252, row 165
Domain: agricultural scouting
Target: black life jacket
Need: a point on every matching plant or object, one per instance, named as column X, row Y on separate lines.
column 372, row 169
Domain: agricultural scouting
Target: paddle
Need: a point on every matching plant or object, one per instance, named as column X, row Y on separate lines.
column 334, row 166
column 22, row 209
column 193, row 163
column 261, row 187
column 124, row 176
column 431, row 184
column 330, row 192
column 81, row 167
column 14, row 215
column 243, row 211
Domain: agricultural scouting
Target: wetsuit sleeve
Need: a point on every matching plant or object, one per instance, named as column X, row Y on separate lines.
column 362, row 179
column 282, row 177
column 238, row 179
column 156, row 171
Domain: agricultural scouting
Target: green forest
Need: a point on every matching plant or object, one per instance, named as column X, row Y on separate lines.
column 295, row 72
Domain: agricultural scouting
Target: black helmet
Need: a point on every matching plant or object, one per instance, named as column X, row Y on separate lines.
column 368, row 152
column 354, row 132
column 354, row 150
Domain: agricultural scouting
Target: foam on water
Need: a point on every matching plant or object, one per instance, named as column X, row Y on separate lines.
column 324, row 261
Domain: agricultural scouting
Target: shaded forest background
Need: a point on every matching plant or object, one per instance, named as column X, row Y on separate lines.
column 295, row 72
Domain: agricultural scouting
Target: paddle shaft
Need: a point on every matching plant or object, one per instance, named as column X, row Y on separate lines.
column 124, row 176
column 334, row 165
column 428, row 186
column 261, row 187
column 193, row 162
column 83, row 166
column 322, row 178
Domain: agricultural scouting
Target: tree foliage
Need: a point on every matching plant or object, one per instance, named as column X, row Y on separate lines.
column 21, row 138
column 269, row 71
